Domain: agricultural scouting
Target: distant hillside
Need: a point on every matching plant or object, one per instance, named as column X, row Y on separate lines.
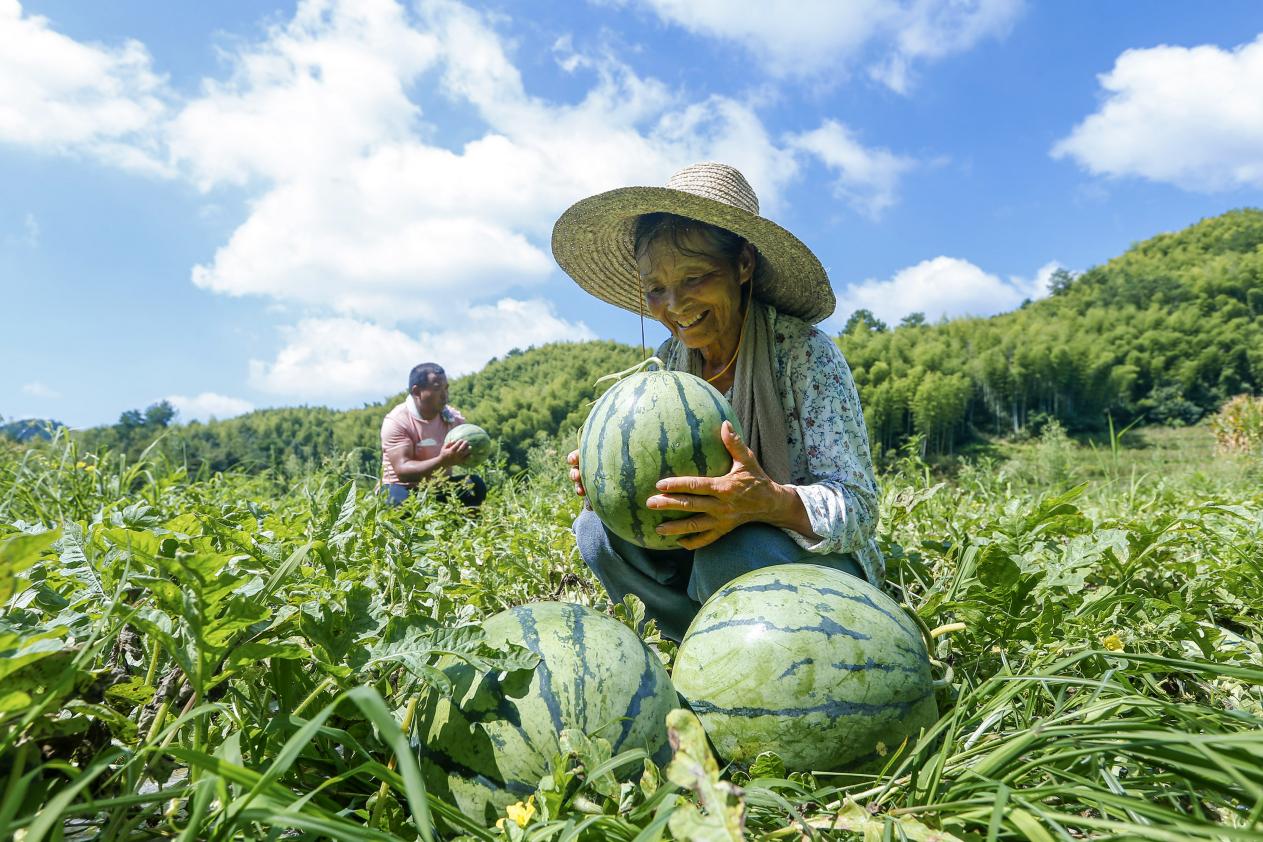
column 527, row 396
column 1164, row 332
column 29, row 429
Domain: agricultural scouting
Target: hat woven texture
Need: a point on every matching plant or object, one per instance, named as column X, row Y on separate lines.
column 592, row 240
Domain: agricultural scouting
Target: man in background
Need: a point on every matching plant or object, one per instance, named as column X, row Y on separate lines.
column 412, row 442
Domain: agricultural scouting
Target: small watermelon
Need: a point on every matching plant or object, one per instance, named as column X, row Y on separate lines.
column 814, row 664
column 490, row 743
column 479, row 441
column 647, row 426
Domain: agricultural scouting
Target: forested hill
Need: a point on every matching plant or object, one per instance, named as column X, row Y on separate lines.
column 525, row 397
column 28, row 429
column 1164, row 332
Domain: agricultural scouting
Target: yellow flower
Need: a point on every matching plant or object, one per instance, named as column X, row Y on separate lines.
column 90, row 468
column 1112, row 642
column 520, row 812
column 81, row 464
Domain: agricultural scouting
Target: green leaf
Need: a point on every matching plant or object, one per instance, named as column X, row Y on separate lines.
column 13, row 700
column 853, row 818
column 130, row 694
column 592, row 752
column 416, row 641
column 19, row 649
column 1028, row 826
column 335, row 632
column 996, row 570
column 767, row 764
column 722, row 814
column 631, row 612
column 19, row 553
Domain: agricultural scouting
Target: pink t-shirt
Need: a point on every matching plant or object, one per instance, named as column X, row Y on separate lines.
column 402, row 425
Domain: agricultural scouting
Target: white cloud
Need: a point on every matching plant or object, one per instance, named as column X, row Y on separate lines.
column 1192, row 117
column 927, row 30
column 798, row 38
column 208, row 405
column 943, row 286
column 57, row 93
column 320, row 91
column 36, row 389
column 376, row 223
column 865, row 178
column 304, row 244
column 340, row 359
column 353, row 212
column 389, row 244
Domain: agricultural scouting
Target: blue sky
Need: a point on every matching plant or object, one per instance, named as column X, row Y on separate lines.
column 232, row 207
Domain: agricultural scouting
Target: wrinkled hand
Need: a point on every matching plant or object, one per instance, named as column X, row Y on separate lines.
column 719, row 504
column 455, row 453
column 572, row 459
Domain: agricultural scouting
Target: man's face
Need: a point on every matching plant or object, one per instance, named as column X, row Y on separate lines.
column 432, row 397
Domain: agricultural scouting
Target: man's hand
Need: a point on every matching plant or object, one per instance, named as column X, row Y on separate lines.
column 718, row 505
column 454, row 453
column 573, row 461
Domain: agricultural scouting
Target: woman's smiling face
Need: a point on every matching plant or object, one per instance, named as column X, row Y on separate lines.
column 694, row 291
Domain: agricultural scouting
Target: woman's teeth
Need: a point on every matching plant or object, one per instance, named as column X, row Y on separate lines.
column 691, row 322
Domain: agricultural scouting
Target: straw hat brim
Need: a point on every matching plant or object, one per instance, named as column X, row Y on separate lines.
column 592, row 242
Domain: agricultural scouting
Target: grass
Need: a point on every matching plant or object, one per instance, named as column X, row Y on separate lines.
column 221, row 659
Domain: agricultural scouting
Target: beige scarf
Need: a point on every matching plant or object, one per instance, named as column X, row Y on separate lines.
column 755, row 396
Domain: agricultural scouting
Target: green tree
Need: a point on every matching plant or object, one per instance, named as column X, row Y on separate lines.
column 1059, row 282
column 863, row 320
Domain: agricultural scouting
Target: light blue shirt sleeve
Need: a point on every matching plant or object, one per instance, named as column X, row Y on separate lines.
column 834, row 466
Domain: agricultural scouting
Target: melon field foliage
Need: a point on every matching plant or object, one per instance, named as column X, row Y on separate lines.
column 233, row 657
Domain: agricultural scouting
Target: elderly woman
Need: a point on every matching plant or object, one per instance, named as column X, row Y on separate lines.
column 739, row 295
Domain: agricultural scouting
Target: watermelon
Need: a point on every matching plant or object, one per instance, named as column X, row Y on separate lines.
column 647, row 426
column 489, row 745
column 479, row 441
column 809, row 662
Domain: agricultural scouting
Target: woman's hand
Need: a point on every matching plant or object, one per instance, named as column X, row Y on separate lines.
column 573, row 461
column 745, row 494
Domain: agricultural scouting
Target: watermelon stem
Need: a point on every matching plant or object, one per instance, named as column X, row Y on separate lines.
column 947, row 629
column 637, row 367
column 948, row 674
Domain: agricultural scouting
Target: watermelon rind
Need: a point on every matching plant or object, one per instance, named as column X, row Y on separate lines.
column 648, row 426
column 489, row 744
column 809, row 662
column 479, row 442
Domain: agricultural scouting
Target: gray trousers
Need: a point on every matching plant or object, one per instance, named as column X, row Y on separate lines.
column 673, row 584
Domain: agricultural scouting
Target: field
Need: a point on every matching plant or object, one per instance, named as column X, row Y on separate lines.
column 239, row 657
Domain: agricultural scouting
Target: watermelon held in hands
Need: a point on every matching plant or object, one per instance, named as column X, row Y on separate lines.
column 809, row 662
column 647, row 426
column 490, row 743
column 479, row 442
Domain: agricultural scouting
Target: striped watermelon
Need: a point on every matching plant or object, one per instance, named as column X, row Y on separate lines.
column 491, row 747
column 814, row 664
column 650, row 425
column 479, row 442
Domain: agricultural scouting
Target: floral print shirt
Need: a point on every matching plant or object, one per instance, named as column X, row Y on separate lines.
column 828, row 444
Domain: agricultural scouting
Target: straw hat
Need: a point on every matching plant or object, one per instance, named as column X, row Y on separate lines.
column 592, row 240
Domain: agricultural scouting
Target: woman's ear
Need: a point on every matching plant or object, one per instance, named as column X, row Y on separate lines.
column 746, row 262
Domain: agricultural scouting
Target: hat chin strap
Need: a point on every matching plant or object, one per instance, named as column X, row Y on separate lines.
column 741, row 337
column 644, row 352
